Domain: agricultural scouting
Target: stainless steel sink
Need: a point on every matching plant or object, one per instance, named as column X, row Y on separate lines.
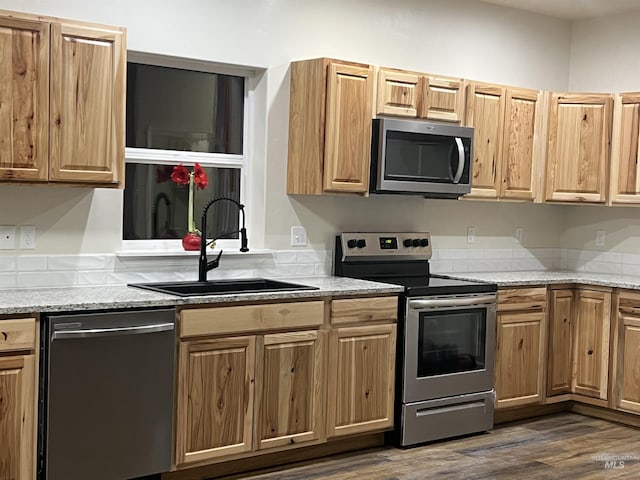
column 221, row 287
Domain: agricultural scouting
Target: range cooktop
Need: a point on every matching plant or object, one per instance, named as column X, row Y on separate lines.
column 399, row 259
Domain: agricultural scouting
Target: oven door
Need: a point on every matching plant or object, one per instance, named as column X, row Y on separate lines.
column 449, row 346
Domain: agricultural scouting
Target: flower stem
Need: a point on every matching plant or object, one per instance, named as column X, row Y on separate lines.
column 191, row 226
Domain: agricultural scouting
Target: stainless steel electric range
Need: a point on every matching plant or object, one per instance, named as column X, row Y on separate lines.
column 446, row 336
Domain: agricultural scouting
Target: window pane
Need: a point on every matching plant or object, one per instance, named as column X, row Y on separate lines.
column 174, row 109
column 157, row 208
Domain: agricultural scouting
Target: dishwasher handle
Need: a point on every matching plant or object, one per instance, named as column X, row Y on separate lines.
column 110, row 332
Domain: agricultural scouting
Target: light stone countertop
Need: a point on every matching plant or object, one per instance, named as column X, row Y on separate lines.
column 549, row 277
column 77, row 299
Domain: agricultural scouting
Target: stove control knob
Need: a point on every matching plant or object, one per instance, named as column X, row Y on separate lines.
column 424, row 242
column 352, row 243
column 415, row 242
column 407, row 242
column 361, row 243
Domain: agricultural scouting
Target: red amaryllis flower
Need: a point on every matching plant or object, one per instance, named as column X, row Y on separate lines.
column 199, row 176
column 180, row 175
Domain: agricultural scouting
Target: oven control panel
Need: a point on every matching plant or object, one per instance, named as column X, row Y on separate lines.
column 391, row 245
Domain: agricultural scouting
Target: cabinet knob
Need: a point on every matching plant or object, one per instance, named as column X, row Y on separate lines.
column 590, row 352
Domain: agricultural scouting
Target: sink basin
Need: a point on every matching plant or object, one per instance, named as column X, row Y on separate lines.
column 220, row 287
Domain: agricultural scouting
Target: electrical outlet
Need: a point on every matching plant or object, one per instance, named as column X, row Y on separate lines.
column 600, row 237
column 471, row 234
column 7, row 237
column 27, row 237
column 519, row 233
column 298, row 236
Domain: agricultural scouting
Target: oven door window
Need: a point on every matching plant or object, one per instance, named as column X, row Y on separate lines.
column 451, row 341
column 422, row 158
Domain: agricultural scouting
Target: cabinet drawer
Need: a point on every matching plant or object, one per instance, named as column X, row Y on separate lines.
column 359, row 310
column 522, row 299
column 18, row 334
column 244, row 318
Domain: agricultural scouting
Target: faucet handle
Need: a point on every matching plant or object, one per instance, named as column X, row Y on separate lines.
column 214, row 263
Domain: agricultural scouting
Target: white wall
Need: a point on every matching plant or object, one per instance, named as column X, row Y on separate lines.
column 463, row 38
column 604, row 54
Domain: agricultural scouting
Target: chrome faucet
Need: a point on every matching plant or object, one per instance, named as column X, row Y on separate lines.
column 203, row 264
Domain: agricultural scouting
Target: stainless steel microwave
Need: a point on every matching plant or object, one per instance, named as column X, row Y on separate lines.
column 420, row 158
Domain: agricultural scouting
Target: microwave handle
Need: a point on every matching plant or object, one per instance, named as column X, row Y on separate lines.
column 458, row 174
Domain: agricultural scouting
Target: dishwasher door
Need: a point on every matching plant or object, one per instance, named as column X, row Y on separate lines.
column 109, row 395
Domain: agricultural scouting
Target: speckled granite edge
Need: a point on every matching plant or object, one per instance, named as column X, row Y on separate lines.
column 506, row 279
column 71, row 299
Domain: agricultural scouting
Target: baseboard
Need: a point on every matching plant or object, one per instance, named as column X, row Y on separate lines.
column 238, row 468
column 522, row 413
column 624, row 418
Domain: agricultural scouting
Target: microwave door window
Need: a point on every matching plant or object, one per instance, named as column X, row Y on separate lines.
column 419, row 157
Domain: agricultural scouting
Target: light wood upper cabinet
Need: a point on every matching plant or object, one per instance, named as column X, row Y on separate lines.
column 24, row 99
column 289, row 395
column 485, row 113
column 521, row 335
column 625, row 160
column 443, row 99
column 591, row 343
column 87, row 103
column 560, row 353
column 215, row 398
column 398, row 93
column 626, row 354
column 578, row 147
column 329, row 127
column 413, row 94
column 507, row 145
column 62, row 100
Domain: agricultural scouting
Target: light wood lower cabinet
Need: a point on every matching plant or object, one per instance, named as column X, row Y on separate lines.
column 579, row 343
column 253, row 378
column 591, row 343
column 560, row 353
column 521, row 335
column 290, row 396
column 626, row 357
column 215, row 398
column 18, row 381
column 361, row 381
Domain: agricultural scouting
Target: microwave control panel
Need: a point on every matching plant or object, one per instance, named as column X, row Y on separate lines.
column 391, row 245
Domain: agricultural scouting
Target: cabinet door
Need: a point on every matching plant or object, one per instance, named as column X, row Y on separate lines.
column 591, row 343
column 397, row 93
column 443, row 99
column 560, row 352
column 87, row 104
column 629, row 367
column 519, row 359
column 519, row 153
column 17, row 397
column 625, row 155
column 215, row 398
column 290, row 381
column 578, row 148
column 485, row 113
column 348, row 128
column 361, row 379
column 24, row 99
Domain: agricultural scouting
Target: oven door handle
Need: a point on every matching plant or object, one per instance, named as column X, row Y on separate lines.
column 452, row 302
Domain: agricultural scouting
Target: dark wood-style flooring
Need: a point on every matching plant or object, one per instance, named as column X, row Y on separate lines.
column 562, row 446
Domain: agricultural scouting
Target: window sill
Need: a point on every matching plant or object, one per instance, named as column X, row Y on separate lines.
column 182, row 253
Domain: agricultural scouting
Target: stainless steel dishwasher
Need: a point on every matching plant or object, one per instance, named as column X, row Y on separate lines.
column 106, row 410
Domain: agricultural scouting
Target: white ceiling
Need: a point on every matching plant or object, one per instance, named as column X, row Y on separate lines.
column 572, row 9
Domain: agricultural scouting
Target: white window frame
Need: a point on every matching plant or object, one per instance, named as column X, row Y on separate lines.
column 174, row 157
